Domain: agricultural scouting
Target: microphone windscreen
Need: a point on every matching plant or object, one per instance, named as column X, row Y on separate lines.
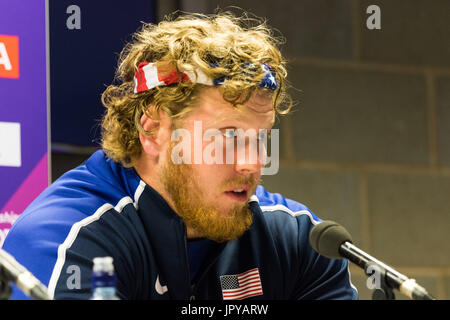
column 326, row 238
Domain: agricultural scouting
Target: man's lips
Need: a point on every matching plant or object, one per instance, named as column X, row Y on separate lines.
column 239, row 193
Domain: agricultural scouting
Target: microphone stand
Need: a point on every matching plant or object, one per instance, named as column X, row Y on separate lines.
column 5, row 286
column 385, row 291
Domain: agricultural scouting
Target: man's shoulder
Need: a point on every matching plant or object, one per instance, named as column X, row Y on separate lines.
column 288, row 221
column 79, row 194
column 96, row 181
column 276, row 206
column 79, row 200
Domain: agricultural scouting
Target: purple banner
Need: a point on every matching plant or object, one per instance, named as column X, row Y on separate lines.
column 24, row 141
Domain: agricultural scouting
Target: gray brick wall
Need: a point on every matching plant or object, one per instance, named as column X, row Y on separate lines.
column 414, row 32
column 443, row 119
column 368, row 142
column 351, row 115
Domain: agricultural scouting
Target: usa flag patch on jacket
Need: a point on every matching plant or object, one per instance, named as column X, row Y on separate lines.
column 241, row 286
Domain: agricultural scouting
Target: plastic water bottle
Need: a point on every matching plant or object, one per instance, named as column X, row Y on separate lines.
column 103, row 279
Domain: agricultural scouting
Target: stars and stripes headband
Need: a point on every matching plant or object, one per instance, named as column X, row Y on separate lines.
column 161, row 73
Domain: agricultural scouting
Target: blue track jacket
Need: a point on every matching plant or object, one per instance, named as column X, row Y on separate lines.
column 103, row 209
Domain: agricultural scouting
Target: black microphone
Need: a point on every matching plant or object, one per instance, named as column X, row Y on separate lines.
column 333, row 241
column 15, row 272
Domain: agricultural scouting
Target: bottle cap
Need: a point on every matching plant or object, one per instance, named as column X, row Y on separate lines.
column 104, row 264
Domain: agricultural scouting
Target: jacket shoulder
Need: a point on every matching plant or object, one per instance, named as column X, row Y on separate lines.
column 77, row 197
column 290, row 223
column 276, row 206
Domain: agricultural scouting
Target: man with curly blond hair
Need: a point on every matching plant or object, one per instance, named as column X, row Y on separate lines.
column 174, row 194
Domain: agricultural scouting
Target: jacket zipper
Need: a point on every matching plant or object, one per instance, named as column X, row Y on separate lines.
column 205, row 271
column 186, row 256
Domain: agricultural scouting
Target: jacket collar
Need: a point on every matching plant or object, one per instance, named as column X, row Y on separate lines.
column 167, row 232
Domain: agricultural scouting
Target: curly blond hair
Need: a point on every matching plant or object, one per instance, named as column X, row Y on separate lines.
column 220, row 45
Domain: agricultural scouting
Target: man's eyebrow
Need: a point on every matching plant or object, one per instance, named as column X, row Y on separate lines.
column 255, row 109
column 227, row 117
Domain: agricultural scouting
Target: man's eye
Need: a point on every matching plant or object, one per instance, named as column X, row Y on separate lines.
column 264, row 135
column 230, row 133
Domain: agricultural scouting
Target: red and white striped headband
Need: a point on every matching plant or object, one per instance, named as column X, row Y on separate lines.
column 161, row 73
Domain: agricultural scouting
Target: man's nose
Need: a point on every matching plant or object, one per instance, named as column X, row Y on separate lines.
column 248, row 159
column 248, row 168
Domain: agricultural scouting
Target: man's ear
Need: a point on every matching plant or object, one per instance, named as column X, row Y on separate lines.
column 159, row 132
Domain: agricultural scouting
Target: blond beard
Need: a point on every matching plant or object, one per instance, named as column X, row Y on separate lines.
column 180, row 184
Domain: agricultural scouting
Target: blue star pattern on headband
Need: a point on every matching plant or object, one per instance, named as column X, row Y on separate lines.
column 268, row 81
column 220, row 80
